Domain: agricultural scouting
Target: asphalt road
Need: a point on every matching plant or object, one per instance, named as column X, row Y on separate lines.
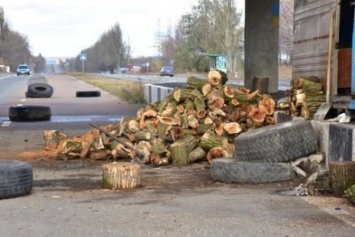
column 66, row 108
column 68, row 200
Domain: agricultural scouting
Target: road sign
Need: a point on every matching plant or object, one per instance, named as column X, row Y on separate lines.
column 221, row 63
column 83, row 56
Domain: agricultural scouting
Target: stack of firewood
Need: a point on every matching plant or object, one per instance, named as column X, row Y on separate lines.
column 190, row 124
column 304, row 97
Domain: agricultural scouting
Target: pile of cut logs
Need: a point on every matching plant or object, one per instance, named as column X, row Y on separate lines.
column 190, row 124
column 304, row 97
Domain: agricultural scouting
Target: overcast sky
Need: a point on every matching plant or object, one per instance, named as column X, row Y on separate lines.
column 62, row 28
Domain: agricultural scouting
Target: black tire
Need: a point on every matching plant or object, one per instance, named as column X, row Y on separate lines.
column 282, row 142
column 230, row 170
column 27, row 113
column 16, row 179
column 88, row 93
column 39, row 90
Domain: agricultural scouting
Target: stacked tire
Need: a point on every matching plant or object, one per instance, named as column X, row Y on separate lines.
column 263, row 155
column 37, row 87
column 39, row 90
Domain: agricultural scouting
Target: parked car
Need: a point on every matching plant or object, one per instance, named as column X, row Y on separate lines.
column 167, row 71
column 23, row 69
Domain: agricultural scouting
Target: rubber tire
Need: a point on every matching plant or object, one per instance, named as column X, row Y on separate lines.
column 281, row 142
column 27, row 113
column 39, row 90
column 231, row 170
column 88, row 93
column 16, row 179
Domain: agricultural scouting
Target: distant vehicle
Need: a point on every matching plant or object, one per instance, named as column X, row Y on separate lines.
column 23, row 69
column 167, row 71
column 123, row 69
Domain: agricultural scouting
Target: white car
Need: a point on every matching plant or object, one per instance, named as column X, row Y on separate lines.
column 23, row 69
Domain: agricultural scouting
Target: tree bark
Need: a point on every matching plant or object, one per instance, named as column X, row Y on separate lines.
column 210, row 140
column 195, row 83
column 181, row 148
column 121, row 175
column 197, row 154
column 342, row 176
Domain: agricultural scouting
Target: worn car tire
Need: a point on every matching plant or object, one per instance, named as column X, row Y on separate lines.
column 16, row 179
column 39, row 90
column 281, row 142
column 230, row 170
column 88, row 93
column 29, row 113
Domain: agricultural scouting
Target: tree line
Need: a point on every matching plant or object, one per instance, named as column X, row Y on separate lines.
column 107, row 54
column 15, row 49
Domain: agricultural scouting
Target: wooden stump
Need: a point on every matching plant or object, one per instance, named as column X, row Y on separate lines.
column 342, row 176
column 261, row 84
column 52, row 139
column 121, row 175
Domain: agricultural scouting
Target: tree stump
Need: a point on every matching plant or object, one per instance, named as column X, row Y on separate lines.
column 122, row 175
column 342, row 176
column 261, row 84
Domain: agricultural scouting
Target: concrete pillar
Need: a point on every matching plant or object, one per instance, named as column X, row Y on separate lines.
column 261, row 42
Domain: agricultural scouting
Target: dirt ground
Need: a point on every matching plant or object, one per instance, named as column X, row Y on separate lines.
column 82, row 175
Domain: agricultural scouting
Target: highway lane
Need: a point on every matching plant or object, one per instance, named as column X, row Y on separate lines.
column 65, row 106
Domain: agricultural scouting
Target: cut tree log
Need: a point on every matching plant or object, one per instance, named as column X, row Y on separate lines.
column 232, row 128
column 121, row 175
column 195, row 83
column 342, row 176
column 210, row 140
column 212, row 112
column 181, row 94
column 268, row 103
column 217, row 77
column 215, row 153
column 181, row 148
column 215, row 99
column 197, row 154
column 142, row 135
column 52, row 138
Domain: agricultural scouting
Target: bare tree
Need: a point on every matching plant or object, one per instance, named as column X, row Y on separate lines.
column 4, row 27
column 40, row 64
column 107, row 53
column 15, row 49
column 212, row 27
column 230, row 34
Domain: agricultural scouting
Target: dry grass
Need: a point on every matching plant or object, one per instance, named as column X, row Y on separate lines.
column 130, row 91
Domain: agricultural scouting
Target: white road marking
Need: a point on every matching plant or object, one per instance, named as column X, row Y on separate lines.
column 23, row 100
column 6, row 77
column 19, row 104
column 6, row 124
